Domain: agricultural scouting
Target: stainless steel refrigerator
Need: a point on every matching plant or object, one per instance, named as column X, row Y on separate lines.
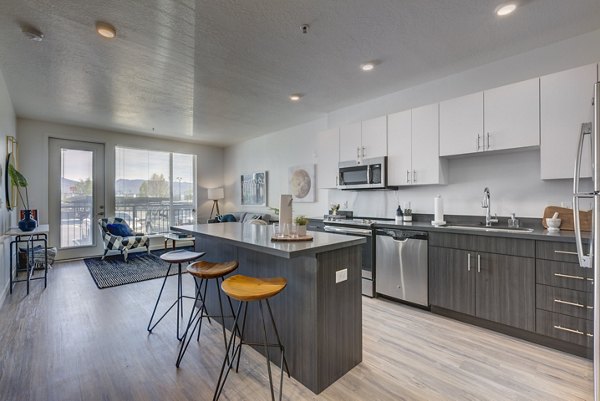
column 586, row 256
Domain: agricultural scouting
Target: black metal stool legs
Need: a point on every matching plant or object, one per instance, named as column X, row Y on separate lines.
column 178, row 302
column 237, row 350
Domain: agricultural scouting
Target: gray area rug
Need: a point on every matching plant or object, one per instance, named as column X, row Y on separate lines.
column 113, row 271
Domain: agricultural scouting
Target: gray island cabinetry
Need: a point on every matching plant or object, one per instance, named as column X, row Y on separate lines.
column 319, row 319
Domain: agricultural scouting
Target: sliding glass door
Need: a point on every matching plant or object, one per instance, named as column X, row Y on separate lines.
column 154, row 190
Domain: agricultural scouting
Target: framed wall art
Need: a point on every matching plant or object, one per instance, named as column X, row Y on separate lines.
column 301, row 182
column 254, row 189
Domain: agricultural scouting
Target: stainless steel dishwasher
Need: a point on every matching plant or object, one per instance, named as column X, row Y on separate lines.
column 401, row 269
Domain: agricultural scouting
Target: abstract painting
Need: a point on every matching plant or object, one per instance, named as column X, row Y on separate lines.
column 254, row 189
column 301, row 181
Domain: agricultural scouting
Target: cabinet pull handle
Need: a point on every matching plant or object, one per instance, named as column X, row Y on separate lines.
column 337, row 180
column 364, row 152
column 560, row 301
column 568, row 276
column 569, row 330
column 357, row 153
column 414, row 176
column 478, row 136
column 488, row 141
column 478, row 263
column 468, row 262
column 407, row 177
column 565, row 252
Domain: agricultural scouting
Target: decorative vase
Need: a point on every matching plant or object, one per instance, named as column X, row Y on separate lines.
column 301, row 231
column 27, row 224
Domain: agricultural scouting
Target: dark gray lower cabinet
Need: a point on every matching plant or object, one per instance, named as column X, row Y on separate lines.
column 451, row 282
column 499, row 288
column 505, row 290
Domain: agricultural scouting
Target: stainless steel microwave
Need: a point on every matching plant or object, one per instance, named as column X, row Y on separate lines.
column 366, row 174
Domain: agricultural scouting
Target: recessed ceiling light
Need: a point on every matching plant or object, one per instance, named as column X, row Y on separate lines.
column 296, row 97
column 506, row 9
column 367, row 66
column 106, row 30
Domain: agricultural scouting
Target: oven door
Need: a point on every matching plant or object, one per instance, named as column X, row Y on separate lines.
column 368, row 251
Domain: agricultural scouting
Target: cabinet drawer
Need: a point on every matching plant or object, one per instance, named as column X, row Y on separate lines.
column 565, row 301
column 484, row 243
column 566, row 328
column 564, row 275
column 559, row 251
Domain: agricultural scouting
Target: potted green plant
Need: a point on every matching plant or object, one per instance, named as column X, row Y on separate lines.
column 301, row 222
column 19, row 181
column 407, row 214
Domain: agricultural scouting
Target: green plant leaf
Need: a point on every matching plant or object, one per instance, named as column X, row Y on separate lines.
column 17, row 178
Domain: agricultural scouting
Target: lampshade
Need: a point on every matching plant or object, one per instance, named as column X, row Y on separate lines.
column 216, row 193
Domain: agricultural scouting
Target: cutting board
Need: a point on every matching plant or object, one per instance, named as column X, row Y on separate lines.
column 566, row 215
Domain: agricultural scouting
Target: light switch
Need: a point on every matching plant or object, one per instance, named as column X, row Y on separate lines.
column 341, row 275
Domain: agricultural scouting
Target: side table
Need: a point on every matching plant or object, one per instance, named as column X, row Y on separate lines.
column 174, row 237
column 30, row 239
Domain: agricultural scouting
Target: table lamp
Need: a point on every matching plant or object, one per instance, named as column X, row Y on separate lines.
column 214, row 194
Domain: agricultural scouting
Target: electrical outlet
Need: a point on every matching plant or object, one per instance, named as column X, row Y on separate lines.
column 341, row 275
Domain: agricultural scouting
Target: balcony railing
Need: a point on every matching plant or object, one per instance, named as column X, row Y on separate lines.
column 147, row 215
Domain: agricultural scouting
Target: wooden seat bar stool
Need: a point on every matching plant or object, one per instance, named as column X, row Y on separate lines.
column 205, row 271
column 174, row 257
column 248, row 289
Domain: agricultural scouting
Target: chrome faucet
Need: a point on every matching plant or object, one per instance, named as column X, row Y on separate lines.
column 486, row 204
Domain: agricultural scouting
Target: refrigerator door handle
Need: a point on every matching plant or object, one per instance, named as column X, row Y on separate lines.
column 584, row 260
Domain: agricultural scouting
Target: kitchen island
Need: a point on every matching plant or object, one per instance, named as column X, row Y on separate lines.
column 319, row 319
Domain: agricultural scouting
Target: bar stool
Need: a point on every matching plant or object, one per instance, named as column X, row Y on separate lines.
column 248, row 289
column 179, row 257
column 206, row 271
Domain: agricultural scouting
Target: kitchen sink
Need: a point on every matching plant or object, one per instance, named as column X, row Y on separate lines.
column 493, row 229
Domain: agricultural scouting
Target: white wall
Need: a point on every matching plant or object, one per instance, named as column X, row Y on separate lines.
column 513, row 178
column 33, row 160
column 7, row 128
column 275, row 153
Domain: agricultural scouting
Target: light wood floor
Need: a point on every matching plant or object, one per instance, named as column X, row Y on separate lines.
column 75, row 342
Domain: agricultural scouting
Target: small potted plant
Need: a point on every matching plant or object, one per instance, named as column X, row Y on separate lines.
column 19, row 181
column 301, row 222
column 334, row 208
column 407, row 215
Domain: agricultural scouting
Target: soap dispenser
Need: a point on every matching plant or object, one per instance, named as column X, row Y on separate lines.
column 399, row 215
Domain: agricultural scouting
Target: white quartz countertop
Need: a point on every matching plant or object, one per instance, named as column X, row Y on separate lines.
column 258, row 237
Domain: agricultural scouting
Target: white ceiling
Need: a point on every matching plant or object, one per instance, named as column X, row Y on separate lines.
column 220, row 71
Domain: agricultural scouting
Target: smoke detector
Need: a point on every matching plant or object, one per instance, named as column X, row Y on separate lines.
column 32, row 33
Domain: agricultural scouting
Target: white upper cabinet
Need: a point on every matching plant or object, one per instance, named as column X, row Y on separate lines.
column 350, row 141
column 399, row 148
column 461, row 125
column 413, row 143
column 566, row 103
column 374, row 137
column 364, row 139
column 426, row 165
column 512, row 116
column 328, row 145
column 502, row 118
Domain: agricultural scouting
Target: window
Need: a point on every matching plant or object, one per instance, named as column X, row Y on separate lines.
column 154, row 190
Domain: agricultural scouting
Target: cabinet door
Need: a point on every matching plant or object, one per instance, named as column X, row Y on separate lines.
column 512, row 116
column 399, row 148
column 452, row 279
column 374, row 137
column 505, row 290
column 566, row 103
column 425, row 146
column 461, row 125
column 350, row 142
column 328, row 157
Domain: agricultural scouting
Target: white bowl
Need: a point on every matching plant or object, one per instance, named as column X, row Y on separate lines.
column 553, row 224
